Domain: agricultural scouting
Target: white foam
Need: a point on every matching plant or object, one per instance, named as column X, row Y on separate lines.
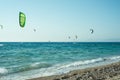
column 35, row 64
column 3, row 71
column 57, row 69
column 39, row 65
column 115, row 57
column 78, row 63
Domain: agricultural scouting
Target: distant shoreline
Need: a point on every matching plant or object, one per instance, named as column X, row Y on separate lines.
column 105, row 72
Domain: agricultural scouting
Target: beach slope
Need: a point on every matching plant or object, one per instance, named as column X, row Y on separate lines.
column 105, row 72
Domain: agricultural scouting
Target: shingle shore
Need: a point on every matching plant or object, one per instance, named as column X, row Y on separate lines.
column 105, row 72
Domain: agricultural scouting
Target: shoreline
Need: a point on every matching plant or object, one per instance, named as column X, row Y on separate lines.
column 104, row 72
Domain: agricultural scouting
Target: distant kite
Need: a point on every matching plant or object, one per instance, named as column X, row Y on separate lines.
column 34, row 30
column 1, row 26
column 69, row 37
column 76, row 36
column 22, row 19
column 92, row 31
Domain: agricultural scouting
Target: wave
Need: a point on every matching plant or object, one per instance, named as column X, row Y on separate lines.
column 33, row 66
column 115, row 57
column 92, row 62
column 3, row 71
column 40, row 65
column 40, row 69
column 79, row 63
column 65, row 67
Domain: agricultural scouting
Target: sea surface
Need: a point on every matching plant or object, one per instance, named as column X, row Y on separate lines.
column 25, row 60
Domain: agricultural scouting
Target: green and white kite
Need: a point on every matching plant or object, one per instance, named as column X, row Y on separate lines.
column 22, row 19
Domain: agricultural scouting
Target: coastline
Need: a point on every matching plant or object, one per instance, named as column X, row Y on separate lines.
column 104, row 72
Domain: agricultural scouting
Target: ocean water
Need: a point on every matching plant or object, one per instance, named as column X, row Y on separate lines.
column 25, row 60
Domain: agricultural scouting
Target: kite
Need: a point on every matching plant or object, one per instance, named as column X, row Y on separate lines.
column 1, row 26
column 76, row 36
column 34, row 30
column 92, row 31
column 69, row 37
column 22, row 19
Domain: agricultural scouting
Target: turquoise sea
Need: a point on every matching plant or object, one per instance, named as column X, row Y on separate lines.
column 25, row 60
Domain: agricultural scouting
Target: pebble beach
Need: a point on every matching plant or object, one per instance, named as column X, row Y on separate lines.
column 105, row 72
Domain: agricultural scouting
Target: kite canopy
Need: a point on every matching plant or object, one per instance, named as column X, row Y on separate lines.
column 76, row 36
column 1, row 26
column 22, row 19
column 34, row 30
column 69, row 37
column 92, row 31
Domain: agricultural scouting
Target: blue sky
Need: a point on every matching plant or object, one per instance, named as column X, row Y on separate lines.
column 55, row 20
